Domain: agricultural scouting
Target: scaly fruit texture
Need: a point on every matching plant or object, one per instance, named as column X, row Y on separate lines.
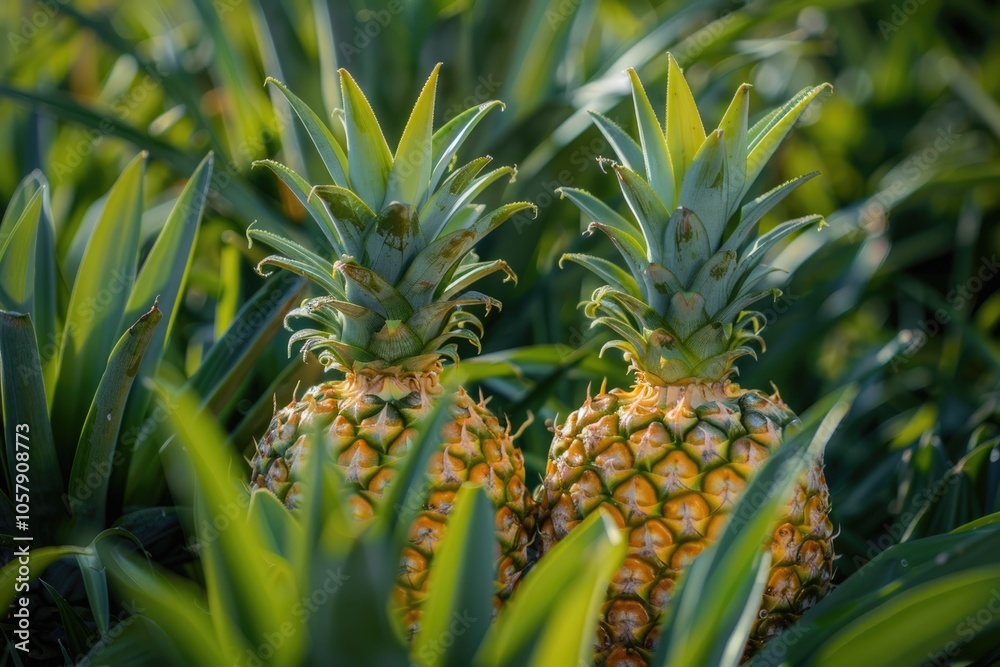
column 395, row 277
column 668, row 458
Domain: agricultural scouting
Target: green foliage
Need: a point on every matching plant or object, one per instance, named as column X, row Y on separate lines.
column 72, row 471
column 897, row 294
column 328, row 580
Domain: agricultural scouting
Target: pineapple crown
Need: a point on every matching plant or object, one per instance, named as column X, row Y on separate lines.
column 400, row 230
column 693, row 255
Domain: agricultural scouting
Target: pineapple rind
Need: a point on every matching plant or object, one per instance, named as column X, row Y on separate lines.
column 667, row 464
column 368, row 422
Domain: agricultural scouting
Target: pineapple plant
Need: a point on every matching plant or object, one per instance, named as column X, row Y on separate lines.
column 669, row 457
column 394, row 300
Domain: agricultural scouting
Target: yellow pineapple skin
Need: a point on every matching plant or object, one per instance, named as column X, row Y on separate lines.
column 368, row 423
column 668, row 464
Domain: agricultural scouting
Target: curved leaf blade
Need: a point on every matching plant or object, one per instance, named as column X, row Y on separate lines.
column 161, row 280
column 411, row 166
column 518, row 630
column 369, row 159
column 23, row 399
column 459, row 608
column 97, row 303
column 96, row 452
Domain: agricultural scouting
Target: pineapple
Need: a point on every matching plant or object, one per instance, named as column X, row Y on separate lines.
column 394, row 284
column 668, row 458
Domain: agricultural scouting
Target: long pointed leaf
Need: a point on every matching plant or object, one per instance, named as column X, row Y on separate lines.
column 607, row 271
column 231, row 550
column 656, row 158
column 752, row 213
column 302, row 191
column 28, row 271
column 326, row 144
column 649, row 209
column 460, row 584
column 444, row 211
column 369, row 159
column 95, row 582
column 568, row 635
column 685, row 132
column 24, row 412
column 762, row 146
column 97, row 305
column 261, row 316
column 423, row 278
column 468, row 274
column 96, row 456
column 932, row 618
column 625, row 147
column 162, row 279
column 17, row 254
column 351, row 216
column 450, row 137
column 734, row 130
column 519, row 628
column 411, row 166
column 177, row 605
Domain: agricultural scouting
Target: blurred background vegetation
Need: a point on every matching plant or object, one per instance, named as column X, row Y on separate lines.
column 899, row 291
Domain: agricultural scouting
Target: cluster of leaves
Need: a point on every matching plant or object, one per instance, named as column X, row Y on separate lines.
column 73, row 395
column 80, row 344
